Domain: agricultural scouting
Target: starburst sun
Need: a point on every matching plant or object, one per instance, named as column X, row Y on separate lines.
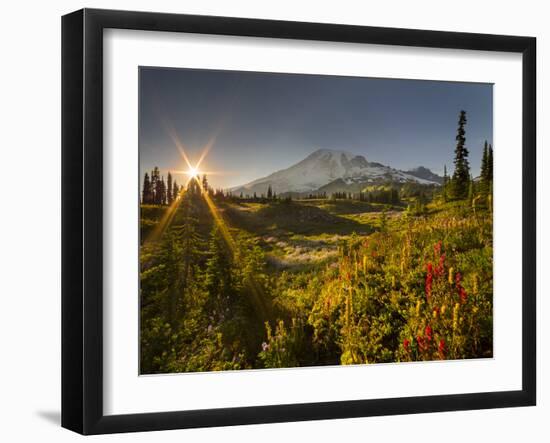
column 192, row 172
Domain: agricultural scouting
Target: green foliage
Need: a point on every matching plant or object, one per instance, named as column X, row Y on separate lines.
column 246, row 289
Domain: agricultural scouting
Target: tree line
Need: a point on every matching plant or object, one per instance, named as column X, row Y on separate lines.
column 461, row 185
column 156, row 191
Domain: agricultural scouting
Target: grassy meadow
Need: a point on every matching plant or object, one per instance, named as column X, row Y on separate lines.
column 241, row 283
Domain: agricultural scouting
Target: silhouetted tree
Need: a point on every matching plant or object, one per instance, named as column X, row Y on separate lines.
column 204, row 183
column 444, row 189
column 175, row 190
column 169, row 196
column 490, row 163
column 155, row 186
column 147, row 194
column 461, row 174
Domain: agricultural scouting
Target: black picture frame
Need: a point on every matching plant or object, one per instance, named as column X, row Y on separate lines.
column 82, row 218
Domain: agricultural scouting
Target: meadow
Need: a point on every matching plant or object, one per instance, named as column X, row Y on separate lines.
column 240, row 283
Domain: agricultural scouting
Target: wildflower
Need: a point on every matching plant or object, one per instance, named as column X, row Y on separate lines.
column 458, row 279
column 428, row 283
column 441, row 348
column 451, row 275
column 443, row 309
column 417, row 308
column 455, row 316
column 421, row 343
column 437, row 248
column 462, row 294
column 428, row 332
column 265, row 346
column 406, row 345
column 436, row 312
column 441, row 266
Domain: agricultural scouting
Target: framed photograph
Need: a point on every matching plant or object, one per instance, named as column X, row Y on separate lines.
column 269, row 221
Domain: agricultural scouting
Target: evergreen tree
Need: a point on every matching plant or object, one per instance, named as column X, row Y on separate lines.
column 169, row 196
column 175, row 190
column 490, row 164
column 461, row 174
column 193, row 187
column 146, row 196
column 162, row 191
column 445, row 184
column 218, row 273
column 204, row 183
column 269, row 192
column 155, row 186
column 485, row 162
column 190, row 242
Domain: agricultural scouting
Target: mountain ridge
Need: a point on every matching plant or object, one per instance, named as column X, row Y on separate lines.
column 325, row 166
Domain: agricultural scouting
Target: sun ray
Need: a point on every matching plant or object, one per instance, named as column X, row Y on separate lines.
column 167, row 217
column 257, row 292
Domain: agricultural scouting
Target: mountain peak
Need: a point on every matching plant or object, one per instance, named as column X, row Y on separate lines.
column 425, row 173
column 325, row 166
column 333, row 152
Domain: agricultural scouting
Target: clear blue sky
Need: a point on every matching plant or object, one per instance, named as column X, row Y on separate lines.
column 265, row 122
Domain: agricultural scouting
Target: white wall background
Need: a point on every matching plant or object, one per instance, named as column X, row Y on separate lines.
column 30, row 218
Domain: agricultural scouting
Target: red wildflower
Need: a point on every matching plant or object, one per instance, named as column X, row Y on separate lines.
column 462, row 294
column 428, row 283
column 441, row 348
column 428, row 332
column 406, row 345
column 458, row 279
column 441, row 266
column 421, row 343
column 437, row 248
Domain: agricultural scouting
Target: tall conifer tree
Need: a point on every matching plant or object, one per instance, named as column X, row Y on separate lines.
column 175, row 190
column 445, row 183
column 169, row 197
column 146, row 195
column 490, row 163
column 155, row 186
column 205, row 184
column 461, row 174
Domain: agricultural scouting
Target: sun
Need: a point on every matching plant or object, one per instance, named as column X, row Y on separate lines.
column 193, row 172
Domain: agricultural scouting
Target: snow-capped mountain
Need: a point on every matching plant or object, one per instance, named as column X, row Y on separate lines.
column 326, row 166
column 425, row 173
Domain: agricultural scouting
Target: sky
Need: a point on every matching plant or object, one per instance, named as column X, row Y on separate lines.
column 258, row 123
